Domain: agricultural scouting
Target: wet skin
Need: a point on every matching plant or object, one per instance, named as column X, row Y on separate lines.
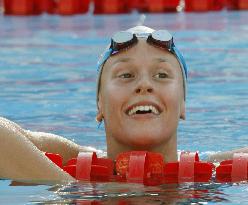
column 142, row 75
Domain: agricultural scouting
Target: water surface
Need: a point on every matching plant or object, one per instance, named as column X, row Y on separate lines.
column 47, row 83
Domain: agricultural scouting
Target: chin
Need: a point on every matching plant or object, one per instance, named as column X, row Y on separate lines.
column 145, row 140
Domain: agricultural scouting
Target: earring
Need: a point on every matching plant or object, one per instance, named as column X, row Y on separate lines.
column 182, row 116
column 99, row 117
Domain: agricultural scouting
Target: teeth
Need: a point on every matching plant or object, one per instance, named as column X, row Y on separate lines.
column 143, row 108
column 154, row 110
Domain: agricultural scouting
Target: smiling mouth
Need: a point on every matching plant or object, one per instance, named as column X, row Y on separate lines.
column 141, row 110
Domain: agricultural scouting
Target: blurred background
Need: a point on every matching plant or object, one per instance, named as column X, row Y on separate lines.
column 72, row 7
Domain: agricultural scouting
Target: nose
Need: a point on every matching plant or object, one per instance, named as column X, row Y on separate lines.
column 144, row 86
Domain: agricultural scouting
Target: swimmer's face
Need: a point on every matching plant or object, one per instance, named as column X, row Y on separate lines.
column 142, row 77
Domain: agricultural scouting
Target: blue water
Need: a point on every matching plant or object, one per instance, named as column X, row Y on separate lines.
column 47, row 83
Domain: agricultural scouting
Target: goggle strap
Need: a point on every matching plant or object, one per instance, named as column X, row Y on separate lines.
column 103, row 58
column 181, row 58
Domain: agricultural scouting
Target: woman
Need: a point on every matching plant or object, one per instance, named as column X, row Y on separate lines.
column 140, row 97
column 141, row 92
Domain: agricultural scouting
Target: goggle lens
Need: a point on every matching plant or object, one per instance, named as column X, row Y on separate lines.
column 122, row 40
column 162, row 35
column 122, row 36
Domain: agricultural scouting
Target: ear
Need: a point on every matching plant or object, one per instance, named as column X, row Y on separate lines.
column 99, row 115
column 183, row 110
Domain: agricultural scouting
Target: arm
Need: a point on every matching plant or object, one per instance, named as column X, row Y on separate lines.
column 226, row 155
column 47, row 142
column 21, row 160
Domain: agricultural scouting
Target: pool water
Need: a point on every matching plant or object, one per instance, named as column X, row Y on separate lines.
column 47, row 83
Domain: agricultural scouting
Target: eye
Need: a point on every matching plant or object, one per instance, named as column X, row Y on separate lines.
column 126, row 75
column 161, row 75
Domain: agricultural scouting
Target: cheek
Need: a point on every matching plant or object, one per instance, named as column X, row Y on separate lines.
column 172, row 96
column 114, row 97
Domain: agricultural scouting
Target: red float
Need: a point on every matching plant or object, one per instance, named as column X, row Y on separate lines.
column 71, row 7
column 233, row 170
column 188, row 169
column 83, row 6
column 203, row 5
column 67, row 7
column 155, row 5
column 140, row 167
column 87, row 166
column 171, row 5
column 19, row 7
column 232, row 4
column 137, row 166
column 149, row 168
column 111, row 6
column 7, row 7
column 218, row 5
column 136, row 4
column 243, row 4
column 55, row 158
column 141, row 5
column 47, row 6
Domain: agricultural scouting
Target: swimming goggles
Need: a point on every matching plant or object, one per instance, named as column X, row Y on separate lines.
column 161, row 38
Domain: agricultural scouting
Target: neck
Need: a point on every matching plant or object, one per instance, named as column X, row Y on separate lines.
column 168, row 149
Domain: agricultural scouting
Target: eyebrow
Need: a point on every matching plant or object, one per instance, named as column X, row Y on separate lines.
column 128, row 59
column 161, row 60
column 123, row 60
